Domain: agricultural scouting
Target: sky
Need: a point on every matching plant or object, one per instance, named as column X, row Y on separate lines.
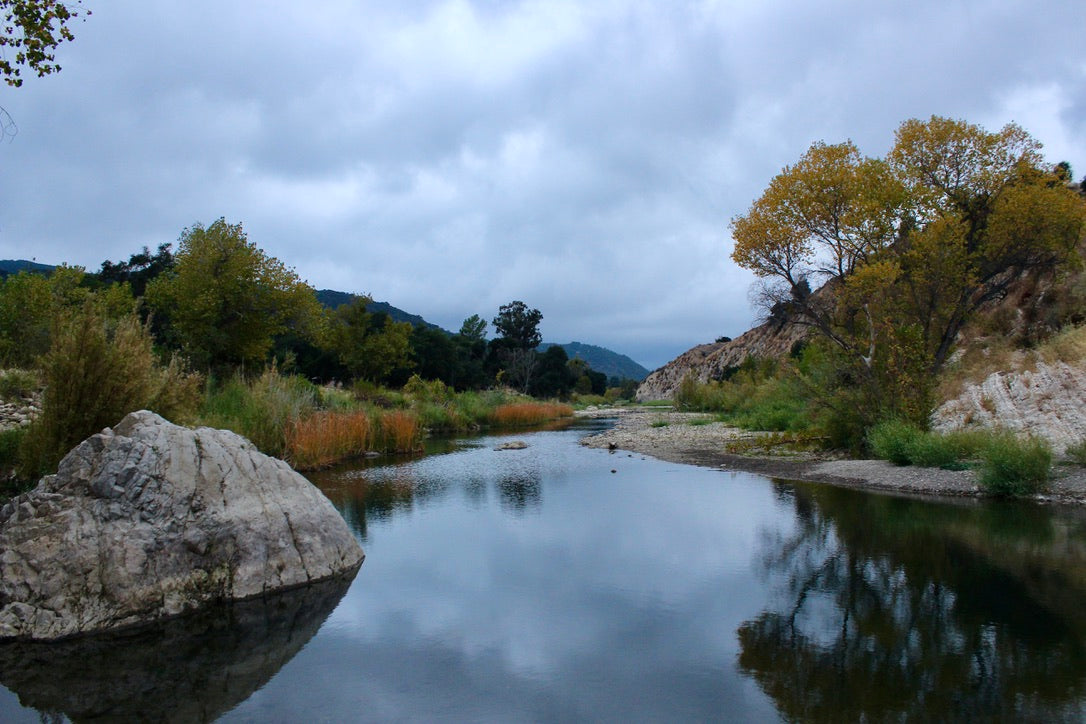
column 449, row 157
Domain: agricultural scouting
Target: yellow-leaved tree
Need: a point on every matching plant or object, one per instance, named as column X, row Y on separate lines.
column 906, row 249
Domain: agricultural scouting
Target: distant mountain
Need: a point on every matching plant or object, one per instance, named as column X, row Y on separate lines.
column 332, row 299
column 603, row 360
column 14, row 266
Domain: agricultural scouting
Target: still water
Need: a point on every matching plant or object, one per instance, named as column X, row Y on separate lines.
column 559, row 583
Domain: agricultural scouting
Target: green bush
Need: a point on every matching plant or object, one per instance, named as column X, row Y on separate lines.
column 1077, row 452
column 1013, row 466
column 16, row 385
column 11, row 441
column 894, row 440
column 96, row 372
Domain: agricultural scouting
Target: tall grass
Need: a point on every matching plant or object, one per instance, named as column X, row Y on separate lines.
column 399, row 432
column 262, row 409
column 523, row 414
column 327, row 437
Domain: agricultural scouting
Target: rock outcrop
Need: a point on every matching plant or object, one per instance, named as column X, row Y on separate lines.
column 148, row 519
column 1048, row 401
column 710, row 361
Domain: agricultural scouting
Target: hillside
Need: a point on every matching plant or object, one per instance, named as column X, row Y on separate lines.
column 603, row 360
column 710, row 361
column 332, row 299
column 14, row 266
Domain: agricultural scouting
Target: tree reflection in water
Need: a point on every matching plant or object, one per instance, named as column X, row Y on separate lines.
column 897, row 608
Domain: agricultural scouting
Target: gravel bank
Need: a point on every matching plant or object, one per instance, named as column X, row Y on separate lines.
column 669, row 436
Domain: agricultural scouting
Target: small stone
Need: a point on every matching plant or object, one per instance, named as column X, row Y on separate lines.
column 512, row 445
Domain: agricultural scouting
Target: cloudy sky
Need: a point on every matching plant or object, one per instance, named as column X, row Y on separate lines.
column 451, row 156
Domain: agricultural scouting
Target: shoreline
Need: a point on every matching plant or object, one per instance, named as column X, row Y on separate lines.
column 670, row 436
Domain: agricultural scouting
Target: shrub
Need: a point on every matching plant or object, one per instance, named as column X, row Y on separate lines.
column 96, row 372
column 17, row 385
column 1077, row 451
column 894, row 440
column 11, row 440
column 1015, row 467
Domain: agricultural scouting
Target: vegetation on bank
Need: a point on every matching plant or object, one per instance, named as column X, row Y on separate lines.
column 225, row 336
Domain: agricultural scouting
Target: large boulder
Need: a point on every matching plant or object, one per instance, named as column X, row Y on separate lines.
column 148, row 519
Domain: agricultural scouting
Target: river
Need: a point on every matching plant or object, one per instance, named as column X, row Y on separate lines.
column 561, row 583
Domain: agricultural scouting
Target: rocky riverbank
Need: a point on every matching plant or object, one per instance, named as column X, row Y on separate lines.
column 669, row 435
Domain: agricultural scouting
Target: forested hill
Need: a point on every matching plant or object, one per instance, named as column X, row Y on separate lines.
column 14, row 266
column 603, row 360
column 332, row 299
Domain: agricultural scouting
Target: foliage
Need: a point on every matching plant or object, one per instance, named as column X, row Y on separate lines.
column 262, row 409
column 1077, row 451
column 17, row 385
column 140, row 269
column 908, row 246
column 11, row 440
column 760, row 395
column 1013, row 466
column 227, row 300
column 34, row 29
column 518, row 325
column 553, row 376
column 96, row 371
column 369, row 345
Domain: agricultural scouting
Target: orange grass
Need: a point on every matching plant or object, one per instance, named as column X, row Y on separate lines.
column 401, row 431
column 519, row 414
column 327, row 437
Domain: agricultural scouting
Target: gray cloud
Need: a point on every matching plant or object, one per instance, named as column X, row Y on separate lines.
column 452, row 156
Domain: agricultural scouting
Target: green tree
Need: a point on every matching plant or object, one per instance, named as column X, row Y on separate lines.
column 907, row 248
column 227, row 300
column 34, row 29
column 514, row 349
column 518, row 325
column 369, row 345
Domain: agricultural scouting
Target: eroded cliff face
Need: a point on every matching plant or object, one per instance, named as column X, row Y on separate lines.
column 1048, row 401
column 709, row 361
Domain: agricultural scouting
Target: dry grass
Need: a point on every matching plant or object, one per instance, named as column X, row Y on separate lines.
column 401, row 431
column 521, row 414
column 327, row 437
column 1068, row 346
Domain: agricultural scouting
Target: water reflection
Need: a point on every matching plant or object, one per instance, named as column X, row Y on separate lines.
column 889, row 608
column 187, row 669
column 521, row 492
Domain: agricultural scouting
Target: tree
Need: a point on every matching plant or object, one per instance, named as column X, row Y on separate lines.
column 553, row 378
column 227, row 300
column 518, row 325
column 907, row 248
column 34, row 29
column 369, row 345
column 514, row 349
column 140, row 269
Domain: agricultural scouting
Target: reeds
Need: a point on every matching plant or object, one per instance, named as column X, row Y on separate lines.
column 522, row 414
column 400, row 431
column 327, row 437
